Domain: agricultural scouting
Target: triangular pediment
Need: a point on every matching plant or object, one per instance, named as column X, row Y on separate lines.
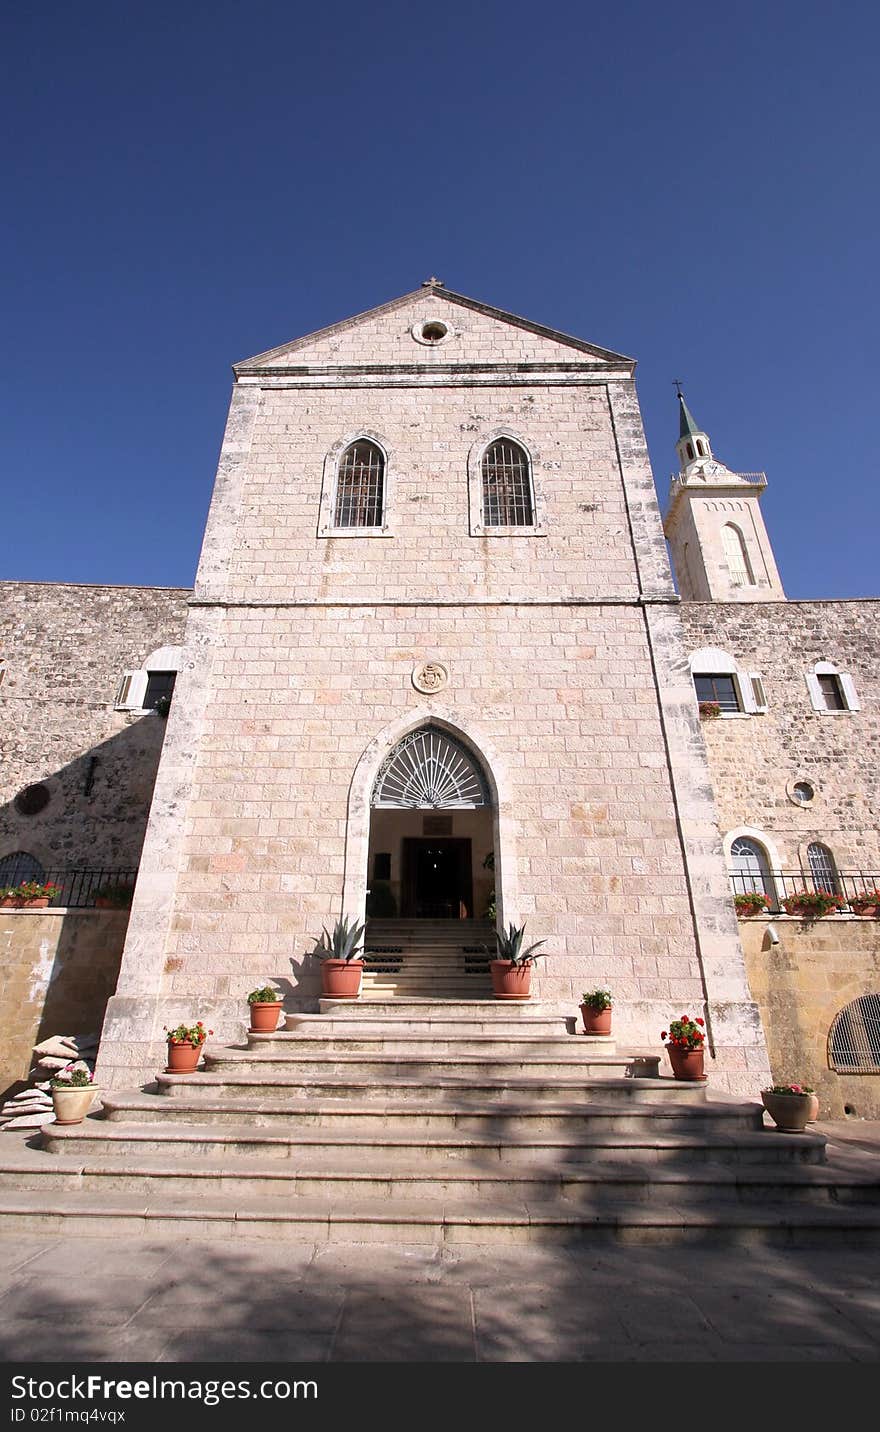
column 389, row 336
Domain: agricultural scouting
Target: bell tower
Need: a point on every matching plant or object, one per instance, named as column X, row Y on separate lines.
column 718, row 543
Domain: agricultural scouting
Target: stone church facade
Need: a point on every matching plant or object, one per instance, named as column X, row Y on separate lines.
column 434, row 617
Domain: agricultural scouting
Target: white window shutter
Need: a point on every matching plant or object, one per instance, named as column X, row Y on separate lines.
column 122, row 695
column 132, row 690
column 759, row 696
column 746, row 697
column 815, row 691
column 849, row 691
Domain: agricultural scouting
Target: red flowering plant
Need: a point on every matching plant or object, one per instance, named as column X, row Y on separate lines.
column 188, row 1033
column 788, row 1089
column 30, row 890
column 686, row 1033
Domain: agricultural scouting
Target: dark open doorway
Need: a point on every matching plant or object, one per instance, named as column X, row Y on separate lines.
column 437, row 879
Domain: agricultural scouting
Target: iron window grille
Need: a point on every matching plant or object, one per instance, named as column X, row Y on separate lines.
column 429, row 771
column 360, row 486
column 854, row 1038
column 823, row 871
column 507, row 487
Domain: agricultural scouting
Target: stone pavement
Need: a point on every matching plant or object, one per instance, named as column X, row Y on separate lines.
column 179, row 1301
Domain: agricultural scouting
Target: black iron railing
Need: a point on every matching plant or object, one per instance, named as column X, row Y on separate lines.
column 779, row 885
column 76, row 889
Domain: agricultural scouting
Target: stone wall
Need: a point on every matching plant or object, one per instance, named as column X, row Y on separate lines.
column 59, row 970
column 755, row 760
column 800, row 984
column 64, row 649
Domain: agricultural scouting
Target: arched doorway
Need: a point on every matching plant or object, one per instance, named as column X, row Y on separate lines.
column 431, row 840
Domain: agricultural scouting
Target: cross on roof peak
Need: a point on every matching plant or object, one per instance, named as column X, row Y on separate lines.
column 433, row 282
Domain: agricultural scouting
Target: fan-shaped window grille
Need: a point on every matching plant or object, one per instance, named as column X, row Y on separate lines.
column 822, row 869
column 18, row 867
column 507, row 486
column 748, row 868
column 854, row 1041
column 360, row 486
column 429, row 771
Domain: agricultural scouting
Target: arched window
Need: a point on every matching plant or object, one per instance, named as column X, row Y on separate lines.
column 854, row 1038
column 736, row 556
column 823, row 871
column 507, row 485
column 690, row 448
column 18, row 867
column 749, row 869
column 360, row 486
column 429, row 770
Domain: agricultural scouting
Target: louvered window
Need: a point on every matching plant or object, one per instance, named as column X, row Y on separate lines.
column 507, row 486
column 360, row 486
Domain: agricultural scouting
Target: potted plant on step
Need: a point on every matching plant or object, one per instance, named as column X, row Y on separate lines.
column 596, row 1011
column 185, row 1043
column 685, row 1048
column 751, row 902
column 512, row 971
column 813, row 904
column 264, row 1006
column 790, row 1106
column 341, row 970
column 73, row 1092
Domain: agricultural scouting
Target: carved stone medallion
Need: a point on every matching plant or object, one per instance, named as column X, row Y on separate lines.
column 429, row 676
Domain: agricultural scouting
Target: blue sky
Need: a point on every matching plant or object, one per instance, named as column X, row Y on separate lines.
column 186, row 185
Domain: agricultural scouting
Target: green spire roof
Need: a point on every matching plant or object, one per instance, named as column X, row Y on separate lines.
column 686, row 423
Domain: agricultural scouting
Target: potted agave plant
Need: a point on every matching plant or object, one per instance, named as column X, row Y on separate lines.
column 512, row 971
column 596, row 1011
column 264, row 1005
column 73, row 1092
column 341, row 970
column 685, row 1048
column 185, row 1043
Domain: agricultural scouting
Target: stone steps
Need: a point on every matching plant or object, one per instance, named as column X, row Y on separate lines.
column 333, row 1179
column 412, row 1120
column 384, row 1069
column 309, row 1220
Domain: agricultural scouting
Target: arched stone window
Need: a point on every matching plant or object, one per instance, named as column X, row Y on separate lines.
column 854, row 1037
column 18, row 867
column 749, row 868
column 823, row 871
column 507, row 485
column 360, row 486
column 736, row 556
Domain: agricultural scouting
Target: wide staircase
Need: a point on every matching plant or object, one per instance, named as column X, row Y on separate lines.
column 446, row 959
column 419, row 1120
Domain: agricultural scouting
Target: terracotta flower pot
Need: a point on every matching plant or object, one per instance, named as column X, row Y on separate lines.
column 341, row 979
column 687, row 1064
column 72, row 1105
column 264, row 1016
column 814, row 1108
column 789, row 1112
column 858, row 907
column 596, row 1021
column 183, row 1058
column 40, row 903
column 510, row 981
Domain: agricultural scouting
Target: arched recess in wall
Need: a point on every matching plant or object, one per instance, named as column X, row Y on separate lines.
column 20, row 865
column 752, row 858
column 377, row 760
column 854, row 1037
column 736, row 556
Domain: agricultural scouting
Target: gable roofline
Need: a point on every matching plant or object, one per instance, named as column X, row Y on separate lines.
column 437, row 290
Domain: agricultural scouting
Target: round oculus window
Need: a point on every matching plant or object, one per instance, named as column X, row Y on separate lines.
column 32, row 800
column 803, row 792
column 431, row 331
